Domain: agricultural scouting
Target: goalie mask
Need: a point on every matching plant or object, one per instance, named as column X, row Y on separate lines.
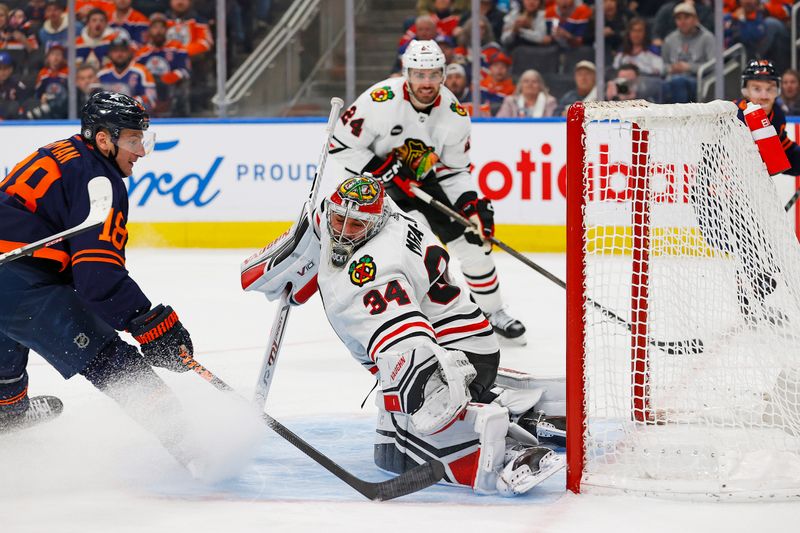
column 356, row 212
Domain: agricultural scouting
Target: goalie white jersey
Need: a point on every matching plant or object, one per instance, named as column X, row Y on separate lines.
column 382, row 119
column 395, row 290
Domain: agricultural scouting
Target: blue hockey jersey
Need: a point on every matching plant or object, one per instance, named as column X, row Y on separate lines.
column 46, row 193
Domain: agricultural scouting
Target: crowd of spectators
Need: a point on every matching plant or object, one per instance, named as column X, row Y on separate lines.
column 537, row 55
column 158, row 51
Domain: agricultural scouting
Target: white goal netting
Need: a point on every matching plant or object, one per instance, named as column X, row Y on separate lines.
column 694, row 387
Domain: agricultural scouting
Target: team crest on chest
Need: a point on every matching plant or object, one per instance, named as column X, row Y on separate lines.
column 458, row 109
column 381, row 94
column 362, row 271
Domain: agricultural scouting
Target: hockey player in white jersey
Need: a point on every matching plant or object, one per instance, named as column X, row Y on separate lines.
column 412, row 131
column 384, row 282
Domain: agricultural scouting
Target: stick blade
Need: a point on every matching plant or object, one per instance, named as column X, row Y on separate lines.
column 418, row 478
column 101, row 196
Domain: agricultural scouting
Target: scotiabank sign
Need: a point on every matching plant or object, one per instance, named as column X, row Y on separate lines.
column 261, row 170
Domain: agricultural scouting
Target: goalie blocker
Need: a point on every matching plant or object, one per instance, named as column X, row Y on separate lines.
column 434, row 353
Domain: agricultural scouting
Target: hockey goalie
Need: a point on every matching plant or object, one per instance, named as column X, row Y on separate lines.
column 385, row 286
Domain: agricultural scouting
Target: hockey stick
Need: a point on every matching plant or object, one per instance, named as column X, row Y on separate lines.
column 418, row 478
column 792, row 200
column 100, row 199
column 671, row 347
column 267, row 371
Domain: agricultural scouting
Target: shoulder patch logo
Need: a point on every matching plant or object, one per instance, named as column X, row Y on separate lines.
column 458, row 109
column 362, row 271
column 381, row 94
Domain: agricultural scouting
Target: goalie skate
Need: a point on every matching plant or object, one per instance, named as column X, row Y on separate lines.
column 527, row 467
column 547, row 429
column 40, row 409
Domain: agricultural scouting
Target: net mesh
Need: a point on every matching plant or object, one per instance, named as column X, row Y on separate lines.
column 695, row 388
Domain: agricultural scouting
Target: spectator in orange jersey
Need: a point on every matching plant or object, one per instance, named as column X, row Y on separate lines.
column 443, row 12
column 126, row 76
column 498, row 84
column 169, row 63
column 185, row 26
column 568, row 22
column 93, row 42
column 124, row 19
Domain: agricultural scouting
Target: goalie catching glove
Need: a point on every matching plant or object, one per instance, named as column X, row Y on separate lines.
column 428, row 383
column 480, row 212
column 164, row 341
column 291, row 260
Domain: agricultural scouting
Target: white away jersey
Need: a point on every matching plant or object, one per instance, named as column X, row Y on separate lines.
column 394, row 290
column 382, row 119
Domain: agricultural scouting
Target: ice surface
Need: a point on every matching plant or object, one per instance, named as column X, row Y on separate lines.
column 94, row 470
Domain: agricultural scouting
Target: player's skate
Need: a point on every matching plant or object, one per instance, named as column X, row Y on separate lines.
column 507, row 326
column 547, row 429
column 40, row 409
column 525, row 467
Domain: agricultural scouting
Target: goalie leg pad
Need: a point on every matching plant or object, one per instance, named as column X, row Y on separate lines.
column 554, row 398
column 472, row 448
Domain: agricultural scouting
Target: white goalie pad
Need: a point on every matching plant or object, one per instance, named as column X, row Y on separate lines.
column 291, row 260
column 553, row 399
column 428, row 382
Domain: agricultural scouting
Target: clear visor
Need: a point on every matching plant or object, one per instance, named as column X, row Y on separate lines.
column 421, row 75
column 140, row 143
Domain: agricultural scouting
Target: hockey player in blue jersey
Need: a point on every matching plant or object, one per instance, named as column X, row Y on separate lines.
column 68, row 301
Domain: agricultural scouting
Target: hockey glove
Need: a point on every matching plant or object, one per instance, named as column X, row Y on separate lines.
column 429, row 383
column 392, row 170
column 165, row 342
column 420, row 162
column 480, row 212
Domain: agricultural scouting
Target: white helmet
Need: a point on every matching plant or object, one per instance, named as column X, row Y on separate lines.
column 423, row 54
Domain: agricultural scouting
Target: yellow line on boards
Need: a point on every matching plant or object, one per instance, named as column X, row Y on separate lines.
column 257, row 234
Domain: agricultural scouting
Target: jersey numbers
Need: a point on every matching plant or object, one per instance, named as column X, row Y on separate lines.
column 42, row 173
column 355, row 125
column 378, row 302
column 116, row 234
column 441, row 292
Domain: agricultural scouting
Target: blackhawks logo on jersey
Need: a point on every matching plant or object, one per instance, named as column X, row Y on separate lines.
column 458, row 109
column 362, row 271
column 381, row 94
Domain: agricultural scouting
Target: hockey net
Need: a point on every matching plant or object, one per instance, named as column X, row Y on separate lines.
column 683, row 362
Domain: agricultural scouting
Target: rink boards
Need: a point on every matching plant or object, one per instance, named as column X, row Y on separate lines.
column 239, row 183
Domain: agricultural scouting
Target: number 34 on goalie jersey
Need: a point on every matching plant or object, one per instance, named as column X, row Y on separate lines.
column 396, row 292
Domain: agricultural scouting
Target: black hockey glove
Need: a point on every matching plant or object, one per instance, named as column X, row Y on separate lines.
column 392, row 170
column 481, row 213
column 165, row 342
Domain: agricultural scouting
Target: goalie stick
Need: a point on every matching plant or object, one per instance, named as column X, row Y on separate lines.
column 267, row 371
column 671, row 347
column 418, row 478
column 100, row 198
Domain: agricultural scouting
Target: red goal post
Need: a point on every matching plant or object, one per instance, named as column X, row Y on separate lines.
column 674, row 225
